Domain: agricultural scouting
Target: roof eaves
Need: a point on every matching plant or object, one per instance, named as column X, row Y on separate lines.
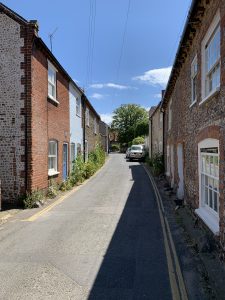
column 176, row 61
column 11, row 13
column 57, row 63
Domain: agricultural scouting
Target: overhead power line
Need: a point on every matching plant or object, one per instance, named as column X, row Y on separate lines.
column 91, row 39
column 123, row 41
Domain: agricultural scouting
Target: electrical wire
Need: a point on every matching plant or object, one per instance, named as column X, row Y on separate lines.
column 123, row 41
column 91, row 39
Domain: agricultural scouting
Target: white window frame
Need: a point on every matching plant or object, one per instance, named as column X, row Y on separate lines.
column 215, row 25
column 87, row 117
column 205, row 212
column 53, row 84
column 54, row 170
column 194, row 72
column 78, row 107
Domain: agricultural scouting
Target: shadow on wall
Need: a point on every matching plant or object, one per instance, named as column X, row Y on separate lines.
column 135, row 266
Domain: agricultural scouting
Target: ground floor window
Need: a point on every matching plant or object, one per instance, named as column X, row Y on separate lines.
column 210, row 178
column 52, row 157
column 208, row 161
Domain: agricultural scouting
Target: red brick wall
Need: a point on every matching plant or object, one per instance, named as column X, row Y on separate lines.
column 190, row 125
column 49, row 120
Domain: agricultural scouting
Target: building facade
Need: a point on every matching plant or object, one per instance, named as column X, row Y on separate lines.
column 194, row 115
column 104, row 136
column 76, row 126
column 91, row 120
column 155, row 131
column 42, row 123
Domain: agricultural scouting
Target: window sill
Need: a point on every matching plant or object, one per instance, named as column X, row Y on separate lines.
column 209, row 219
column 53, row 99
column 53, row 173
column 193, row 103
column 211, row 95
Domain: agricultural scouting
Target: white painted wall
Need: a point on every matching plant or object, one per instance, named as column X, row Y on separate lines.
column 76, row 130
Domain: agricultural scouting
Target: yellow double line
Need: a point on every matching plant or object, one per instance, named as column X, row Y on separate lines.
column 175, row 275
column 61, row 199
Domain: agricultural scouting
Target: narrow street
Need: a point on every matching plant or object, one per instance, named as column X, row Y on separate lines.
column 104, row 241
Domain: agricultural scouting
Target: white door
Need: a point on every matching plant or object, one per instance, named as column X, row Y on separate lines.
column 180, row 190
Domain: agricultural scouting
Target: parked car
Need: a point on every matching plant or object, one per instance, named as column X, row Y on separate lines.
column 128, row 152
column 137, row 152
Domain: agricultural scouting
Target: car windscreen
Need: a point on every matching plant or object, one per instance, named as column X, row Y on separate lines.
column 136, row 148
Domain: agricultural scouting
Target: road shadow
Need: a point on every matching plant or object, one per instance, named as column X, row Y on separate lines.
column 135, row 266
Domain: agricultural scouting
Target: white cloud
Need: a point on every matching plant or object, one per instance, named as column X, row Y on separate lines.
column 97, row 96
column 111, row 85
column 155, row 76
column 159, row 96
column 107, row 118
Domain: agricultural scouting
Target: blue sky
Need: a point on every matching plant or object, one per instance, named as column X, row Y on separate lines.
column 152, row 35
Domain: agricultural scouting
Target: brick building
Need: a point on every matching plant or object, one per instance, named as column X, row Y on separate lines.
column 104, row 135
column 194, row 114
column 91, row 120
column 34, row 109
column 155, row 131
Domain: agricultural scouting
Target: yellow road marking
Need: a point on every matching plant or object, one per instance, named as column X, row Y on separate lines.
column 178, row 289
column 48, row 208
column 61, row 199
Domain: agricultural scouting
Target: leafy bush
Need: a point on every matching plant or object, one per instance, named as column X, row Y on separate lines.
column 31, row 200
column 115, row 147
column 78, row 172
column 97, row 156
column 157, row 164
column 90, row 169
column 65, row 185
column 53, row 189
column 138, row 140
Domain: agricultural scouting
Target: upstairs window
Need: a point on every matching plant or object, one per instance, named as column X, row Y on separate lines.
column 212, row 62
column 51, row 81
column 194, row 71
column 87, row 117
column 211, row 59
column 52, row 157
column 78, row 107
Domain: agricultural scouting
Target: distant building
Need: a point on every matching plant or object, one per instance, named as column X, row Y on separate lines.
column 104, row 135
column 91, row 120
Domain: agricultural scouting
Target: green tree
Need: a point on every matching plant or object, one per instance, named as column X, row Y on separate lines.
column 138, row 140
column 130, row 121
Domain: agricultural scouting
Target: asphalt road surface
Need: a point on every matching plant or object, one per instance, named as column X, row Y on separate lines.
column 104, row 241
